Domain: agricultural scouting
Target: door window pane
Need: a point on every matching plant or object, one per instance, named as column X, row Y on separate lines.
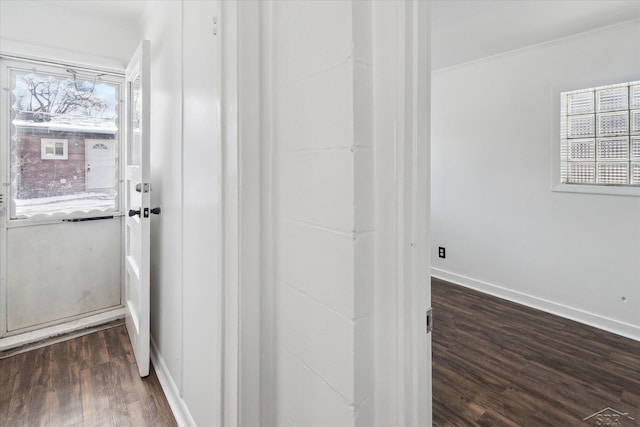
column 57, row 117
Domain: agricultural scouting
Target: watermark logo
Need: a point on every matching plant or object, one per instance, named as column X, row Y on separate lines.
column 609, row 417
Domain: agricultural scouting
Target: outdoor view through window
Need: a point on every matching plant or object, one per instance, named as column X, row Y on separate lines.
column 64, row 143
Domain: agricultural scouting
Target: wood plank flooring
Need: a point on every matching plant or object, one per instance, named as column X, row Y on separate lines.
column 87, row 381
column 496, row 363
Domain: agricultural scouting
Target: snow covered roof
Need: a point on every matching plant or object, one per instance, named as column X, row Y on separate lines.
column 73, row 124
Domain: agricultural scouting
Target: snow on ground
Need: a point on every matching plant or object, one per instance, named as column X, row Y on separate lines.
column 74, row 203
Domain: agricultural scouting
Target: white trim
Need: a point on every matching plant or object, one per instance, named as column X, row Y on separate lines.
column 178, row 406
column 231, row 218
column 591, row 189
column 415, row 289
column 249, row 168
column 402, row 291
column 14, row 341
column 610, row 325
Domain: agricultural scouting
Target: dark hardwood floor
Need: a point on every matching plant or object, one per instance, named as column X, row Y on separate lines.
column 496, row 363
column 87, row 381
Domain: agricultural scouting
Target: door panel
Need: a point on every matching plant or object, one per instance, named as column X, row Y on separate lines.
column 137, row 207
column 78, row 274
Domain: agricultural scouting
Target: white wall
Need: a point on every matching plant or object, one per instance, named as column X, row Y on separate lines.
column 163, row 27
column 321, row 144
column 49, row 28
column 202, row 214
column 186, row 179
column 504, row 230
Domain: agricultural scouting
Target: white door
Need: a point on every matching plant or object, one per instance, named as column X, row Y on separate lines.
column 60, row 246
column 137, row 206
column 100, row 160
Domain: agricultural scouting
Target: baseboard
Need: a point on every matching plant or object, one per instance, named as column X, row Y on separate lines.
column 600, row 322
column 63, row 329
column 178, row 406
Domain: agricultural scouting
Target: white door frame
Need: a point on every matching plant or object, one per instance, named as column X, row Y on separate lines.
column 401, row 117
column 245, row 212
column 416, row 212
column 232, row 217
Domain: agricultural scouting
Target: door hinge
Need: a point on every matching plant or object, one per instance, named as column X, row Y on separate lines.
column 429, row 320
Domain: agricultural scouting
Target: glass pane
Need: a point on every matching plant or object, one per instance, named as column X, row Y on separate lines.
column 135, row 146
column 635, row 173
column 53, row 114
column 580, row 103
column 582, row 173
column 613, row 173
column 611, row 124
column 612, row 99
column 635, row 147
column 583, row 149
column 613, row 148
column 635, row 121
column 635, row 96
column 581, row 126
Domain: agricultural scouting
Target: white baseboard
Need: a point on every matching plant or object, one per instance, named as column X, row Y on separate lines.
column 178, row 406
column 597, row 321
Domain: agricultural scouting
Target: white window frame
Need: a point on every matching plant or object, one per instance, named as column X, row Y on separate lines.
column 115, row 77
column 556, row 179
column 45, row 142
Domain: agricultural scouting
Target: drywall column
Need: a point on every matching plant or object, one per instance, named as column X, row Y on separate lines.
column 187, row 183
column 163, row 27
column 202, row 214
column 319, row 78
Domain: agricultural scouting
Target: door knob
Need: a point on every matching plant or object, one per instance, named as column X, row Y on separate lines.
column 134, row 212
column 156, row 211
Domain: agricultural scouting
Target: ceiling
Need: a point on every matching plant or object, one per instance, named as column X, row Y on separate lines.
column 461, row 30
column 127, row 12
column 466, row 30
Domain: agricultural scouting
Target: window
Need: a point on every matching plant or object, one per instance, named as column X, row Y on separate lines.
column 54, row 149
column 62, row 142
column 600, row 137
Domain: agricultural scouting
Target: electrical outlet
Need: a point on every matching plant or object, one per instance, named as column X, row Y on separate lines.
column 441, row 252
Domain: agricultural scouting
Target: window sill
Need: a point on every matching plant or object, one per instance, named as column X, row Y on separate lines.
column 608, row 190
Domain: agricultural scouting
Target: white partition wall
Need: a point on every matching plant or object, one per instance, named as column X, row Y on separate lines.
column 346, row 213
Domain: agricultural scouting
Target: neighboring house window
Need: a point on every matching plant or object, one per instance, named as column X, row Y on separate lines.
column 54, row 149
column 600, row 136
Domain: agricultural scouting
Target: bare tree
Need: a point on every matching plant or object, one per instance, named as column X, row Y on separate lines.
column 46, row 96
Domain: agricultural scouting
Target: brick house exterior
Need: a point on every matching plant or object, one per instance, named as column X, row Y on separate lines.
column 38, row 177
